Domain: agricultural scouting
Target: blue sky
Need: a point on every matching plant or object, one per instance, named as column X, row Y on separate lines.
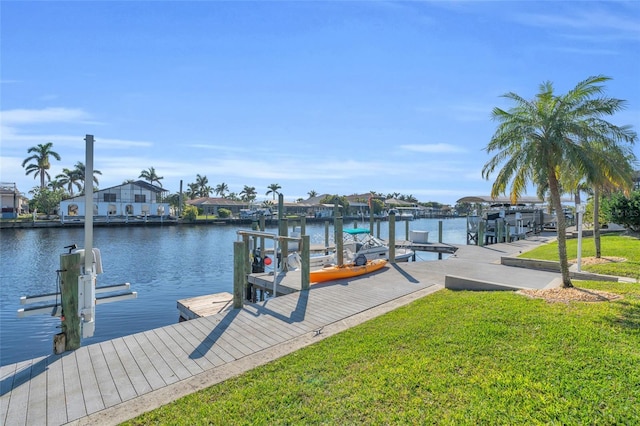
column 337, row 97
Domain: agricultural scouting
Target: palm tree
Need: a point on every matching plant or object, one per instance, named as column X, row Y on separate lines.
column 617, row 174
column 151, row 176
column 80, row 172
column 42, row 164
column 273, row 189
column 537, row 140
column 69, row 178
column 312, row 193
column 202, row 185
column 248, row 193
column 221, row 189
column 193, row 191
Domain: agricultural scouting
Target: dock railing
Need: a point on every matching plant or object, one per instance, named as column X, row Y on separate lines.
column 242, row 263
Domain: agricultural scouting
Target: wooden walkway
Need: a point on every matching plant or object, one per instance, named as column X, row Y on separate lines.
column 112, row 381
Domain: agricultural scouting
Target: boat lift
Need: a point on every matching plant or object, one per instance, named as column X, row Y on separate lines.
column 75, row 301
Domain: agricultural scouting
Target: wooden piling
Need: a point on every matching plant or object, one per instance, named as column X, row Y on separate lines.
column 392, row 237
column 305, row 269
column 326, row 237
column 406, row 230
column 239, row 276
column 70, row 271
column 339, row 241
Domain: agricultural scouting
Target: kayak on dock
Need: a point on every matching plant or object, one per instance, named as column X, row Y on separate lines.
column 336, row 272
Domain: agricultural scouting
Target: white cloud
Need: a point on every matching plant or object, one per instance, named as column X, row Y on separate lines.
column 433, row 148
column 46, row 115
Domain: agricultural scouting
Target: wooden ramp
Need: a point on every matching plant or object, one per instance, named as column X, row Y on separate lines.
column 112, row 381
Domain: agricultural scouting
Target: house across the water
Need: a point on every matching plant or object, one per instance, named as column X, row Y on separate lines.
column 129, row 199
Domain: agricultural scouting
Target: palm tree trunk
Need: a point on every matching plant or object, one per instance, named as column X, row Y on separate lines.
column 596, row 221
column 561, row 229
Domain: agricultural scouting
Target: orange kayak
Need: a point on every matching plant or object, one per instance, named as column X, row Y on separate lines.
column 345, row 271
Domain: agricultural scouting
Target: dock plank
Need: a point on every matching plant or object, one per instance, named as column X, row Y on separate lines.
column 180, row 371
column 72, row 387
column 178, row 351
column 149, row 371
column 56, row 400
column 20, row 393
column 207, row 334
column 106, row 385
column 130, row 365
column 159, row 363
column 89, row 384
column 190, row 345
column 126, row 390
column 37, row 393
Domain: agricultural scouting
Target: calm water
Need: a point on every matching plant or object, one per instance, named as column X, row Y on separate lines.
column 163, row 264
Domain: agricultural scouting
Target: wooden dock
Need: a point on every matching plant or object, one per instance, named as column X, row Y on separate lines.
column 112, row 381
column 204, row 306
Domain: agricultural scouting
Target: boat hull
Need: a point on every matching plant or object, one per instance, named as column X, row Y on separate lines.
column 331, row 273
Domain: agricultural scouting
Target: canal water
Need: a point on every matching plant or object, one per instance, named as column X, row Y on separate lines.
column 163, row 265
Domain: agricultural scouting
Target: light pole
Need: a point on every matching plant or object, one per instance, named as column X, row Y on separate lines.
column 580, row 208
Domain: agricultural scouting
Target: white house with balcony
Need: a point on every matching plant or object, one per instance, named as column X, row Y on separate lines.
column 127, row 200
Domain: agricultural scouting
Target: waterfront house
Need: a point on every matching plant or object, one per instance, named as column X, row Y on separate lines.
column 129, row 199
column 13, row 203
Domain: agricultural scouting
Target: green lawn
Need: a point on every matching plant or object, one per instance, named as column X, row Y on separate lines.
column 450, row 358
column 611, row 246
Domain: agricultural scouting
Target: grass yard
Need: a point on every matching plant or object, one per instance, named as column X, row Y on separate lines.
column 450, row 358
column 612, row 246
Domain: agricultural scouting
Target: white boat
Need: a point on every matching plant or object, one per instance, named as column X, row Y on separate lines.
column 359, row 241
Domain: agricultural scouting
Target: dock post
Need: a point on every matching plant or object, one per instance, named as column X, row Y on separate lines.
column 303, row 225
column 248, row 293
column 239, row 248
column 378, row 229
column 339, row 242
column 392, row 237
column 284, row 243
column 406, row 231
column 371, row 217
column 440, row 238
column 69, row 273
column 305, row 270
column 326, row 237
column 482, row 225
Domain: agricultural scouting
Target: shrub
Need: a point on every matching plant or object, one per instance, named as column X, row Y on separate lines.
column 625, row 211
column 190, row 213
column 224, row 213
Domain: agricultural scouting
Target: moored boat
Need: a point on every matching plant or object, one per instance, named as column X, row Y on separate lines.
column 336, row 272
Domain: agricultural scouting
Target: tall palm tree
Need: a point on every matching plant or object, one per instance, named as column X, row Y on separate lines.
column 80, row 172
column 193, row 191
column 151, row 176
column 312, row 193
column 617, row 164
column 202, row 183
column 538, row 139
column 41, row 165
column 273, row 189
column 69, row 179
column 248, row 193
column 221, row 189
